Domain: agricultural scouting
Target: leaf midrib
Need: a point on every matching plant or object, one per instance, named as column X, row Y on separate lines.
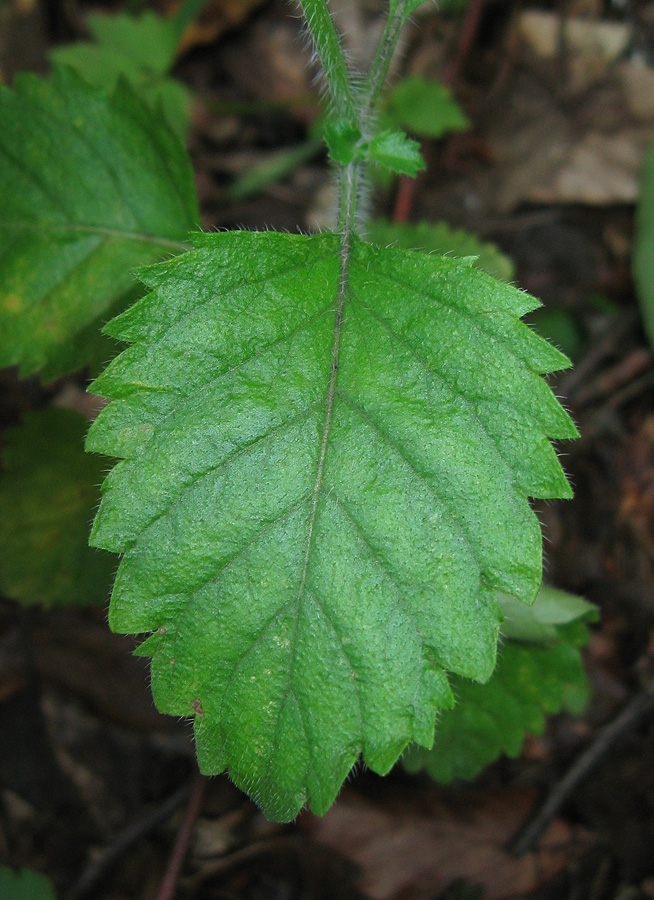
column 341, row 295
column 40, row 228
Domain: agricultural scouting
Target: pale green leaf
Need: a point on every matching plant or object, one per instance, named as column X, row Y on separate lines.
column 541, row 622
column 49, row 492
column 141, row 49
column 424, row 108
column 317, row 513
column 643, row 263
column 530, row 681
column 90, row 187
column 439, row 237
column 25, row 884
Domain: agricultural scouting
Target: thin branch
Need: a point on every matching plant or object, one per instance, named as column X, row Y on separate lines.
column 169, row 884
column 641, row 704
column 96, row 869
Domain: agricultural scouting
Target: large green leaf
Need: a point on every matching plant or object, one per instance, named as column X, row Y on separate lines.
column 49, row 491
column 90, row 188
column 324, row 485
column 142, row 49
column 643, row 263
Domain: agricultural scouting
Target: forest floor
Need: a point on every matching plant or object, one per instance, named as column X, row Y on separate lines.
column 98, row 789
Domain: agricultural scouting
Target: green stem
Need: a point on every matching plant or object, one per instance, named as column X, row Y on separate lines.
column 330, row 51
column 350, row 104
column 383, row 56
column 349, row 180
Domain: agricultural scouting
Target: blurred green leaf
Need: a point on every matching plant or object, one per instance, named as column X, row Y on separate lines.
column 25, row 884
column 643, row 260
column 140, row 49
column 424, row 108
column 49, row 491
column 440, row 238
column 559, row 327
column 101, row 185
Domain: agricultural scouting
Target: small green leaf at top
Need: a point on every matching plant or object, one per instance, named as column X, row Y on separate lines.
column 424, row 108
column 342, row 139
column 99, row 186
column 643, row 260
column 395, row 151
column 323, row 490
column 25, row 884
column 142, row 50
column 392, row 150
column 49, row 491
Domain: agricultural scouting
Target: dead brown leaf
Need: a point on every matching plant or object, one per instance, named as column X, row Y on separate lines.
column 217, row 18
column 415, row 846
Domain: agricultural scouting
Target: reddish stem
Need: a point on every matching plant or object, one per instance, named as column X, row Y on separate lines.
column 193, row 809
column 469, row 31
column 406, row 189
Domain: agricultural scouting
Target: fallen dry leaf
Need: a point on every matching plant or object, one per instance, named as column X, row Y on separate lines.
column 553, row 149
column 417, row 843
column 589, row 47
column 217, row 18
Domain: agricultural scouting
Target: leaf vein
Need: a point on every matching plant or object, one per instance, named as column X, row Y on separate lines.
column 115, row 233
column 311, row 589
column 422, row 478
column 455, row 391
column 225, row 462
column 463, row 311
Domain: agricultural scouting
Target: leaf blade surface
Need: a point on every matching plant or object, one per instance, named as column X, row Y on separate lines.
column 315, row 496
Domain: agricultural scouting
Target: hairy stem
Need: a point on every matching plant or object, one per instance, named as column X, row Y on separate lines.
column 349, row 190
column 332, row 59
column 383, row 56
column 356, row 106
